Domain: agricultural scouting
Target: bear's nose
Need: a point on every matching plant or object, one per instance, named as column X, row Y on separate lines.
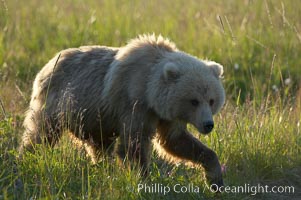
column 208, row 126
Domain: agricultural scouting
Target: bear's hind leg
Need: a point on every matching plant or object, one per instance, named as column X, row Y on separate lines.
column 38, row 129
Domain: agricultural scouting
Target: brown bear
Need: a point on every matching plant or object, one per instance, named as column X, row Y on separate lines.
column 145, row 91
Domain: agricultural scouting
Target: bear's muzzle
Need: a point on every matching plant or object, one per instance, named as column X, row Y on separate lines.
column 208, row 126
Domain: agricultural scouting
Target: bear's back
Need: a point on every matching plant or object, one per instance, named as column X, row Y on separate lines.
column 76, row 68
column 73, row 80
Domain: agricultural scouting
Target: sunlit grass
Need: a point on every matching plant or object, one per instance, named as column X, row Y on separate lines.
column 257, row 137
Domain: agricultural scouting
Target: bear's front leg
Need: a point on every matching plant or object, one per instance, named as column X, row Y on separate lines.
column 134, row 148
column 179, row 143
column 135, row 143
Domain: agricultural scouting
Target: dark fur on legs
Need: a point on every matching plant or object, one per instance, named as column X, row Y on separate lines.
column 179, row 143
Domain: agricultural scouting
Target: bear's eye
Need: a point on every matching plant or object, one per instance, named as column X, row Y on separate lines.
column 194, row 102
column 211, row 102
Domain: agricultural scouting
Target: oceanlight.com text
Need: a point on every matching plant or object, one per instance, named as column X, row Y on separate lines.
column 192, row 188
column 252, row 189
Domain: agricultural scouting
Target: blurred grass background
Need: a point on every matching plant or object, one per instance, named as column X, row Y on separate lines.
column 258, row 42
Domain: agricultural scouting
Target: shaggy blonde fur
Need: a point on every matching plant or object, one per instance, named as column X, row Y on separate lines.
column 147, row 89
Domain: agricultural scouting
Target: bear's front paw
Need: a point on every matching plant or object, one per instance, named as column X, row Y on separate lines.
column 215, row 180
column 215, row 185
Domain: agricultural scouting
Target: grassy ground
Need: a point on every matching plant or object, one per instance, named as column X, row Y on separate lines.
column 257, row 136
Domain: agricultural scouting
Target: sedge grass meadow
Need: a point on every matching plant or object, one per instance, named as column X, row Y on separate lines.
column 257, row 135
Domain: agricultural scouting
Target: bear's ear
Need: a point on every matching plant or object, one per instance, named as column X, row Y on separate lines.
column 216, row 68
column 171, row 72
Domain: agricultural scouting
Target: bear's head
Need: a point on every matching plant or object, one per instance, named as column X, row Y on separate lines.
column 187, row 89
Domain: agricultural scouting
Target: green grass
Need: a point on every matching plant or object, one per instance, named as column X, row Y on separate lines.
column 258, row 131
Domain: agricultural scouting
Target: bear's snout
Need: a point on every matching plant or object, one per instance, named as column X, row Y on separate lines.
column 208, row 126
